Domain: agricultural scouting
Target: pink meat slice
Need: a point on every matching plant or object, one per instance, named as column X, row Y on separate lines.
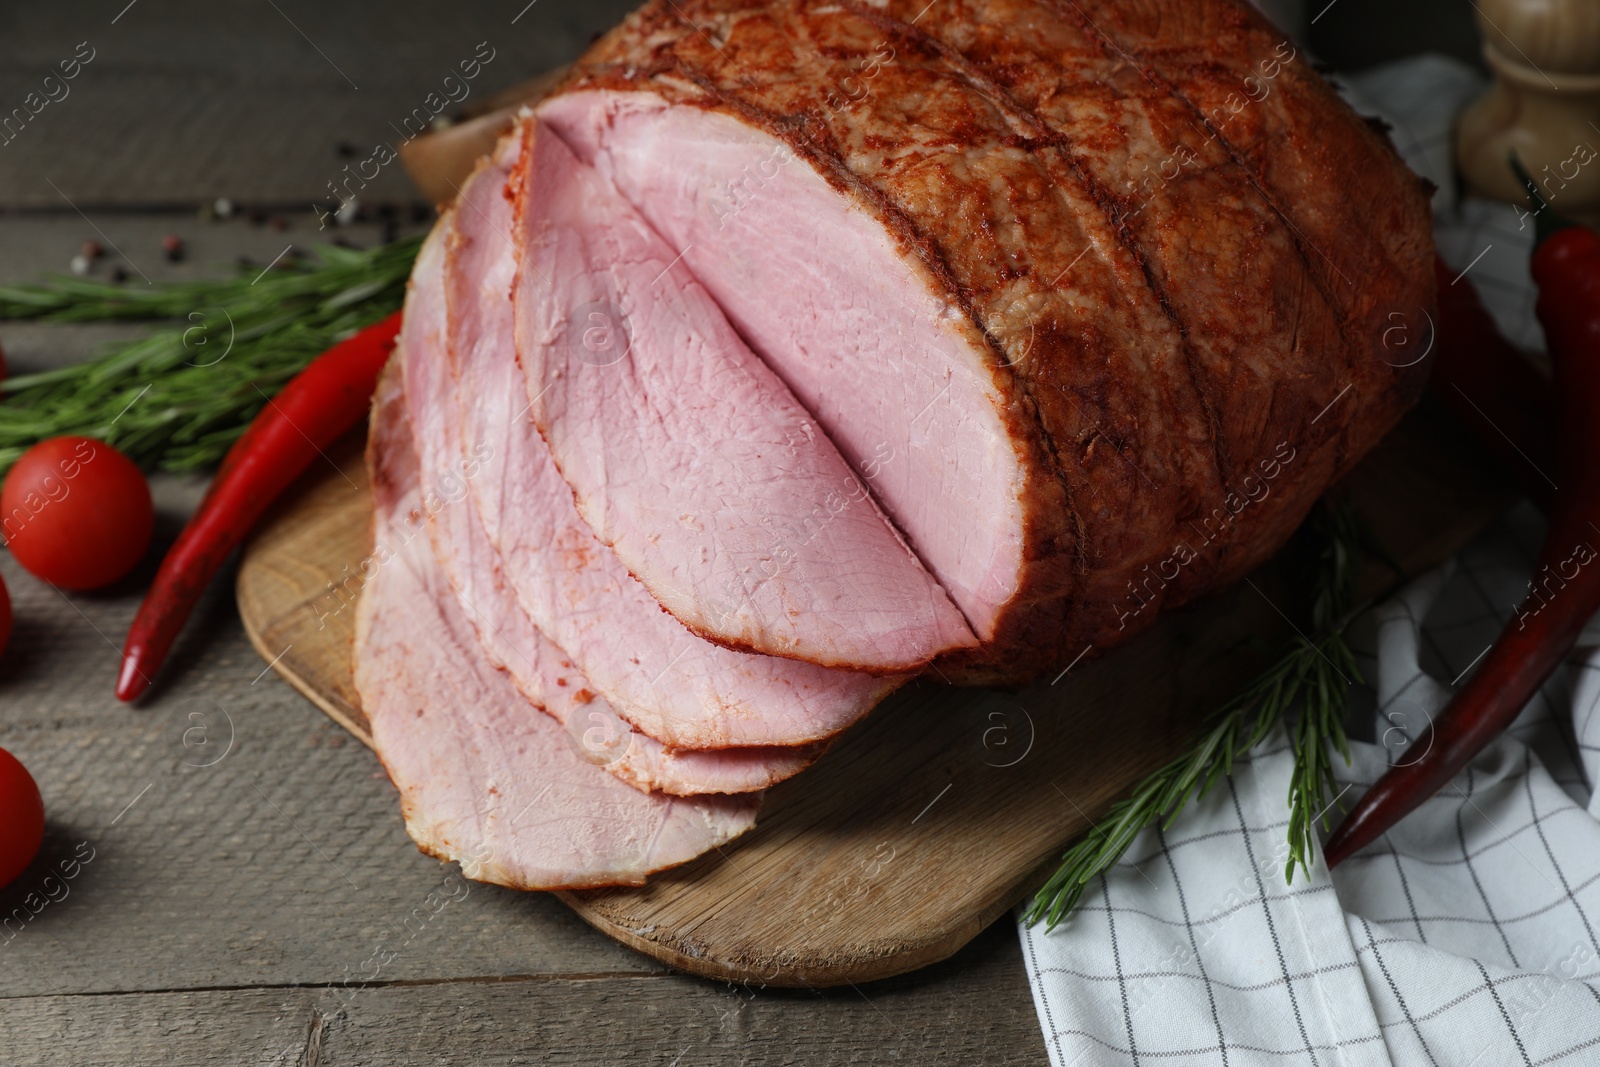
column 688, row 456
column 830, row 301
column 538, row 667
column 481, row 779
column 655, row 673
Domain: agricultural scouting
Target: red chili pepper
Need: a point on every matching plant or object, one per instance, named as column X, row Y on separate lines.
column 318, row 405
column 1565, row 591
column 1499, row 394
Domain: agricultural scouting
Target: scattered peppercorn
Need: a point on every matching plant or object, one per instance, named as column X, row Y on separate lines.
column 278, row 222
column 223, row 207
column 118, row 275
column 80, row 264
column 172, row 247
column 92, row 250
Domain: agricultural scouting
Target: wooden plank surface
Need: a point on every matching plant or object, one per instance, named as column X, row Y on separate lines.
column 924, row 824
column 594, row 1019
column 184, row 101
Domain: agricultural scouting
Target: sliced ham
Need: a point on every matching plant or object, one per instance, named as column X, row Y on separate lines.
column 688, row 456
column 1044, row 272
column 858, row 338
column 482, row 778
column 656, row 674
column 540, row 669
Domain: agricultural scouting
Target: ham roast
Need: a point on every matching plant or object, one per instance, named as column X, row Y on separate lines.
column 1068, row 280
column 789, row 348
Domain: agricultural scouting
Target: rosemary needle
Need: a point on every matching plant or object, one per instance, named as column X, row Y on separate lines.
column 178, row 397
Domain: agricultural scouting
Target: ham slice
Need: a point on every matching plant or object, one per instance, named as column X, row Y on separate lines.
column 482, row 778
column 656, row 674
column 688, row 456
column 540, row 669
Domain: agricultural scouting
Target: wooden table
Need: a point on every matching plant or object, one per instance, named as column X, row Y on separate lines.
column 268, row 908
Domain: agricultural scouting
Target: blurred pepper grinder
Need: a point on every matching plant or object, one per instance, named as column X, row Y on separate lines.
column 1544, row 104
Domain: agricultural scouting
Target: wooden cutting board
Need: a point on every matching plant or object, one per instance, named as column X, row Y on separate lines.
column 947, row 806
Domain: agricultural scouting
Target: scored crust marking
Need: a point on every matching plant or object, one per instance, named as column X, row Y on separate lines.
column 1316, row 267
column 983, row 81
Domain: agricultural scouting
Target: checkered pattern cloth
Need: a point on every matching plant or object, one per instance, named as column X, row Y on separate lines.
column 1468, row 934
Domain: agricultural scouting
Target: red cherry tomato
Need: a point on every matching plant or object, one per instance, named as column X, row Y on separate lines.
column 5, row 617
column 21, row 818
column 76, row 512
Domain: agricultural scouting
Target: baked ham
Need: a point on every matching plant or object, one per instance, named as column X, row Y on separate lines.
column 688, row 456
column 1072, row 286
column 816, row 342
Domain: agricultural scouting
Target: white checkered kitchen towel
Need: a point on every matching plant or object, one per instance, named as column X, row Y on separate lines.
column 1468, row 935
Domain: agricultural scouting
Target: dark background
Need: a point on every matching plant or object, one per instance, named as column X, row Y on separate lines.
column 1353, row 34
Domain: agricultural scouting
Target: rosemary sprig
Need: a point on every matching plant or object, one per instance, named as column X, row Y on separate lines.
column 1314, row 674
column 179, row 396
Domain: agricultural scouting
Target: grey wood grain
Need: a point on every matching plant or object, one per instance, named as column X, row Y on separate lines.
column 184, row 100
column 34, row 246
column 979, row 1015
